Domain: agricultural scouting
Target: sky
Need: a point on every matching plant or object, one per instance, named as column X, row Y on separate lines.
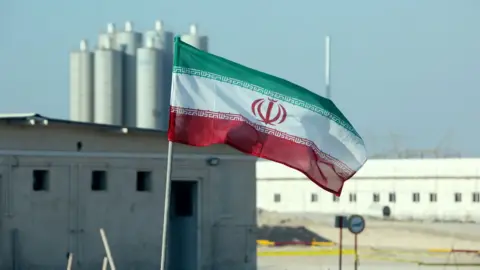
column 404, row 72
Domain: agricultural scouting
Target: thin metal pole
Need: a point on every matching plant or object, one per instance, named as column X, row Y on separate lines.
column 328, row 93
column 340, row 245
column 69, row 261
column 356, row 252
column 166, row 205
column 107, row 249
column 105, row 263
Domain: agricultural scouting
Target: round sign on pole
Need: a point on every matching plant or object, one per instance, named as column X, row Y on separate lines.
column 356, row 224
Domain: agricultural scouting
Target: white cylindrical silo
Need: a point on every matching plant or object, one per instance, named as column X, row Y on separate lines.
column 81, row 84
column 162, row 40
column 108, row 105
column 152, row 107
column 107, row 38
column 193, row 38
column 128, row 41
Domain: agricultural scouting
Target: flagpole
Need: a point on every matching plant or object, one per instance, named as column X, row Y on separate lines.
column 328, row 93
column 168, row 177
column 166, row 205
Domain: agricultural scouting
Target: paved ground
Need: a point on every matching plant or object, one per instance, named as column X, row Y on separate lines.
column 384, row 244
column 372, row 261
column 388, row 234
column 331, row 264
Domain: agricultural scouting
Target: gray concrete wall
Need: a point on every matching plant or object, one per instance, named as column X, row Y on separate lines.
column 39, row 228
column 64, row 137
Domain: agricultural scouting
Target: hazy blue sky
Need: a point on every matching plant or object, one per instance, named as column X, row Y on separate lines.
column 408, row 66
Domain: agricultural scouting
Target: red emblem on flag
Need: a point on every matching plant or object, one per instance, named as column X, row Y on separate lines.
column 265, row 111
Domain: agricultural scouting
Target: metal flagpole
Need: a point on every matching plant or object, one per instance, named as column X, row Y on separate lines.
column 168, row 177
column 166, row 206
column 328, row 93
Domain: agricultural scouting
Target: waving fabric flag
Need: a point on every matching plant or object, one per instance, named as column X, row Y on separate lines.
column 217, row 101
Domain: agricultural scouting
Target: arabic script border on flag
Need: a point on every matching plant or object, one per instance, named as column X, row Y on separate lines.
column 343, row 170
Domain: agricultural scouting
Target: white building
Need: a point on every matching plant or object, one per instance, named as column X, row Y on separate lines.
column 61, row 181
column 441, row 189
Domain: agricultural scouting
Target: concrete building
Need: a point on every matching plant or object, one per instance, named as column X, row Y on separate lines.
column 62, row 181
column 434, row 189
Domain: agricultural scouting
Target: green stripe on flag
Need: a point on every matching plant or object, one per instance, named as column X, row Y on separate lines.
column 192, row 61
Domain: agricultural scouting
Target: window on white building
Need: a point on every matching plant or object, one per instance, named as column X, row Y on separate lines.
column 277, row 197
column 433, row 197
column 314, row 197
column 353, row 197
column 416, row 197
column 458, row 197
column 336, row 199
column 476, row 197
column 376, row 197
column 392, row 197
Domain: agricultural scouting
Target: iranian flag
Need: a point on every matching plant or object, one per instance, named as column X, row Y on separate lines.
column 217, row 101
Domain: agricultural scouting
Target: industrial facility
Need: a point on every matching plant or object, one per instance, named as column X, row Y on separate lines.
column 126, row 79
column 63, row 181
column 446, row 189
column 82, row 177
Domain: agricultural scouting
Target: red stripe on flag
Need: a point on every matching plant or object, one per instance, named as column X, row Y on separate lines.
column 204, row 131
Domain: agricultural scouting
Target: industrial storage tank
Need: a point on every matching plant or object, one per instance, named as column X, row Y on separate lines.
column 128, row 41
column 107, row 38
column 161, row 40
column 108, row 86
column 152, row 108
column 81, row 84
column 194, row 39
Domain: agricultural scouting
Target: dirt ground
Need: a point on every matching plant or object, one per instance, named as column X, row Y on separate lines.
column 381, row 233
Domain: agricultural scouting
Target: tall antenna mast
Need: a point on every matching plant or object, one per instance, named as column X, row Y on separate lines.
column 328, row 93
